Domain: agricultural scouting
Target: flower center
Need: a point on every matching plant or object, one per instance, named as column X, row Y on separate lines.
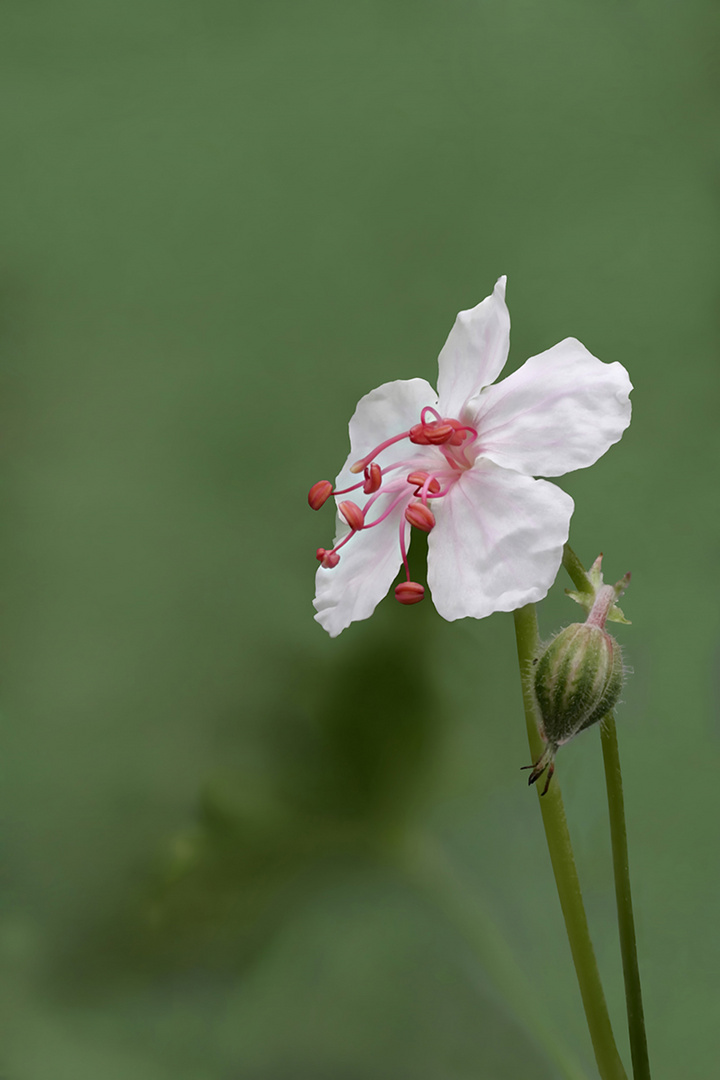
column 430, row 475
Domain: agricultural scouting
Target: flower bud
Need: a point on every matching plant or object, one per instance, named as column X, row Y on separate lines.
column 578, row 680
column 578, row 676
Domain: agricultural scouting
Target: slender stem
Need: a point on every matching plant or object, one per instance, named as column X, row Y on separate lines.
column 621, row 865
column 608, row 1060
column 576, row 570
column 626, row 921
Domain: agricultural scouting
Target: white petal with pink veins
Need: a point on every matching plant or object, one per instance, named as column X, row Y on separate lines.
column 367, row 568
column 497, row 543
column 560, row 411
column 475, row 352
column 390, row 410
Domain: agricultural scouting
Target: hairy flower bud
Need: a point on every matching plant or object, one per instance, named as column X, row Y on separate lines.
column 578, row 680
column 578, row 677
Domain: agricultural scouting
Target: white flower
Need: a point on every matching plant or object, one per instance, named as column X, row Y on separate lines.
column 460, row 464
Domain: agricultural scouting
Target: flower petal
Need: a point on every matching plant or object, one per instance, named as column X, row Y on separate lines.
column 383, row 413
column 497, row 543
column 560, row 411
column 475, row 352
column 368, row 564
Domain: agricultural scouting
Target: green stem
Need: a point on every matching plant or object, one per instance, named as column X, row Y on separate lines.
column 621, row 865
column 626, row 922
column 431, row 870
column 576, row 570
column 608, row 1060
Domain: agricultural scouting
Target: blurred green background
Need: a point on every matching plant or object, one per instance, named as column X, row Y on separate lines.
column 231, row 848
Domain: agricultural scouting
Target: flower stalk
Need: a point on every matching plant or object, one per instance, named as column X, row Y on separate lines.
column 621, row 865
column 607, row 1057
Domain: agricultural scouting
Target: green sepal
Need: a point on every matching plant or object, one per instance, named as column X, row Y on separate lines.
column 586, row 599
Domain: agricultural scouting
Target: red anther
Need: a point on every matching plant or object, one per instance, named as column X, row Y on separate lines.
column 419, row 478
column 319, row 494
column 420, row 516
column 373, row 478
column 434, row 434
column 437, row 434
column 409, row 592
column 417, row 434
column 328, row 559
column 459, row 434
column 352, row 514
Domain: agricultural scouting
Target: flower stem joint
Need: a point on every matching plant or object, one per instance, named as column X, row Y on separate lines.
column 578, row 677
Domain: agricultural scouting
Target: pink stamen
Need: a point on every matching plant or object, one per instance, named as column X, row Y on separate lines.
column 374, row 498
column 451, row 438
column 459, row 437
column 403, row 550
column 430, row 484
column 434, row 434
column 352, row 514
column 335, row 550
column 360, row 465
column 429, row 408
column 419, row 479
column 319, row 494
column 373, row 478
column 389, row 510
column 327, row 559
column 420, row 516
column 347, row 490
column 409, row 592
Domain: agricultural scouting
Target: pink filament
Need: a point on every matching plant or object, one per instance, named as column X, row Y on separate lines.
column 429, row 408
column 403, row 549
column 361, row 464
column 451, row 446
column 389, row 510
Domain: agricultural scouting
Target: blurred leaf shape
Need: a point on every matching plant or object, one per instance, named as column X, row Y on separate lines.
column 335, row 775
